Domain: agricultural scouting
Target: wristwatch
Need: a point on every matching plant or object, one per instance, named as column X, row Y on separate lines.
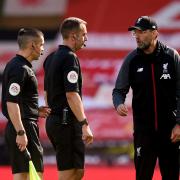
column 84, row 121
column 21, row 132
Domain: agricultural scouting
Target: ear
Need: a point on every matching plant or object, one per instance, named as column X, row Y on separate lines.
column 74, row 36
column 33, row 45
column 155, row 33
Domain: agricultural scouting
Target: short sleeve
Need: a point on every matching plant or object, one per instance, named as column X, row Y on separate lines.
column 15, row 84
column 71, row 74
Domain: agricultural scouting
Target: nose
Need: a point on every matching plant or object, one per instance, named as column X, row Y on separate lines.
column 86, row 38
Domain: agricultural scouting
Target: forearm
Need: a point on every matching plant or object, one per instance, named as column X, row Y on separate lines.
column 122, row 84
column 178, row 111
column 177, row 69
column 15, row 116
column 118, row 97
column 45, row 98
column 76, row 105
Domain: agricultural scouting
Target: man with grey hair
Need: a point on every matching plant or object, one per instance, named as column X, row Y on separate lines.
column 152, row 70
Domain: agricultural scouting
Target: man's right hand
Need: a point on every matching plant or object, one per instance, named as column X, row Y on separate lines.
column 87, row 135
column 21, row 142
column 122, row 110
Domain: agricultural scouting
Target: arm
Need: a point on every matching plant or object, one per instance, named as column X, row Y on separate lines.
column 175, row 135
column 77, row 108
column 13, row 94
column 71, row 85
column 76, row 105
column 15, row 117
column 44, row 111
column 122, row 88
column 177, row 69
column 45, row 98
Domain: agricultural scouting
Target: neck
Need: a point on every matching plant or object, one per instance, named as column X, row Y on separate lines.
column 69, row 44
column 151, row 48
column 26, row 55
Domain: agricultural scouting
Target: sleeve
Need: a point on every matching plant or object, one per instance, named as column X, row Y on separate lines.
column 122, row 84
column 177, row 67
column 71, row 74
column 15, row 84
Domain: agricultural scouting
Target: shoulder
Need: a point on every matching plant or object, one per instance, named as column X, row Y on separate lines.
column 15, row 66
column 26, row 70
column 169, row 50
column 71, row 59
column 71, row 55
column 130, row 57
column 48, row 59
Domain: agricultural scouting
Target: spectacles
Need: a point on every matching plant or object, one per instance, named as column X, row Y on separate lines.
column 137, row 32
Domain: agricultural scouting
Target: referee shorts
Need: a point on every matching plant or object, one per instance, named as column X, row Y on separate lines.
column 67, row 142
column 18, row 160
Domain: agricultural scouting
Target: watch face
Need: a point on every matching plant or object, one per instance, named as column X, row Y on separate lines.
column 21, row 132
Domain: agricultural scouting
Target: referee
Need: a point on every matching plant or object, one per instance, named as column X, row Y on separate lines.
column 20, row 104
column 67, row 126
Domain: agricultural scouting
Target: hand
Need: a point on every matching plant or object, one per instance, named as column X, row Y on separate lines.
column 44, row 111
column 175, row 135
column 122, row 110
column 21, row 142
column 87, row 135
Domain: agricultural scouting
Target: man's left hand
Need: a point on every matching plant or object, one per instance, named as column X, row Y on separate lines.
column 175, row 135
column 87, row 135
column 44, row 111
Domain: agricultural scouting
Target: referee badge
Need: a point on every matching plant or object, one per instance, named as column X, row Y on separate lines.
column 72, row 76
column 14, row 89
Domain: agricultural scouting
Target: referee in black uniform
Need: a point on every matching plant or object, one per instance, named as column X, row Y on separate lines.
column 67, row 126
column 20, row 104
column 152, row 70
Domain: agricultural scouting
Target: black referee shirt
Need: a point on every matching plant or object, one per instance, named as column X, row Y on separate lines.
column 19, row 85
column 62, row 74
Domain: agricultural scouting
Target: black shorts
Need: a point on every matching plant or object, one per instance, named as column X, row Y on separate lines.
column 18, row 160
column 67, row 142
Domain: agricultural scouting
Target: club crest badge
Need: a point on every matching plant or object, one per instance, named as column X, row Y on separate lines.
column 165, row 74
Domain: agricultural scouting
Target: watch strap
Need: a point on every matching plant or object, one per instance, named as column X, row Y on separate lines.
column 84, row 121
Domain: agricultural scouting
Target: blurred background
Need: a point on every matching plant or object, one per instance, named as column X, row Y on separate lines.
column 108, row 43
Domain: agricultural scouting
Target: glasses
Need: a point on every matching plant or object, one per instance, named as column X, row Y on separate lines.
column 137, row 32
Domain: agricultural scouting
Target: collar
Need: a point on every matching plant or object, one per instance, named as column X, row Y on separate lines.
column 23, row 59
column 155, row 53
column 65, row 47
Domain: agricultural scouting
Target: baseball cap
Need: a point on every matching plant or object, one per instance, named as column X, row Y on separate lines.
column 143, row 23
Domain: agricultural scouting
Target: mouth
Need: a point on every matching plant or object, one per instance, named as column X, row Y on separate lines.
column 138, row 42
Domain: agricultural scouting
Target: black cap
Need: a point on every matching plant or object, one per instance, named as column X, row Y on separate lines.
column 143, row 23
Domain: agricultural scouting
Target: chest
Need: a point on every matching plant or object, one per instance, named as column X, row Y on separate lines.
column 30, row 82
column 160, row 70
